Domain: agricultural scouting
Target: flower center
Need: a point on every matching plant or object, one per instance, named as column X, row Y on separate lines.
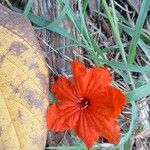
column 83, row 103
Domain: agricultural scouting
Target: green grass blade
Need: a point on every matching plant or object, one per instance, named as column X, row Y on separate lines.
column 85, row 4
column 83, row 26
column 97, row 49
column 70, row 14
column 144, row 36
column 125, row 138
column 59, row 18
column 141, row 43
column 127, row 145
column 43, row 23
column 138, row 93
column 111, row 48
column 46, row 24
column 80, row 25
column 124, row 75
column 64, row 33
column 145, row 48
column 125, row 66
column 9, row 4
column 139, row 24
column 113, row 22
column 114, row 15
column 28, row 7
column 115, row 29
column 91, row 42
column 52, row 98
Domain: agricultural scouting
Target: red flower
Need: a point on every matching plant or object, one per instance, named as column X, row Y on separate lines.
column 89, row 105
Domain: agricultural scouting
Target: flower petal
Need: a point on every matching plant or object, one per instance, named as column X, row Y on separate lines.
column 117, row 99
column 91, row 126
column 85, row 129
column 78, row 71
column 61, row 119
column 110, row 130
column 88, row 80
column 64, row 91
column 96, row 78
column 108, row 102
column 107, row 128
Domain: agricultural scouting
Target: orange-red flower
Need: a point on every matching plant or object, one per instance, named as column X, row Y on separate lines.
column 88, row 105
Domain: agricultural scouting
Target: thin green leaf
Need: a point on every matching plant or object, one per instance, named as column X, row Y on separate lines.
column 145, row 48
column 28, row 7
column 97, row 49
column 59, row 18
column 63, row 32
column 144, row 36
column 124, row 66
column 9, row 4
column 85, row 4
column 91, row 42
column 114, row 25
column 139, row 24
column 83, row 25
column 126, row 137
column 51, row 98
column 141, row 43
column 128, row 144
column 79, row 25
column 138, row 93
column 124, row 75
column 41, row 22
column 110, row 48
column 71, row 14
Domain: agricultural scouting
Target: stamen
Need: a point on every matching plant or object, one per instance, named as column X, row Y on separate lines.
column 80, row 99
column 84, row 107
column 83, row 103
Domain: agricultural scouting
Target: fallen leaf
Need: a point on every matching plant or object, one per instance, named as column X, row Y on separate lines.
column 23, row 85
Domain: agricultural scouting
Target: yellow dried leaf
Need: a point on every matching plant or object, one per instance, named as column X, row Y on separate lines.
column 23, row 85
